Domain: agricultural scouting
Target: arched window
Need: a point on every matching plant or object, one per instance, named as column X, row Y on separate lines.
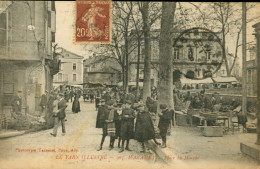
column 176, row 54
column 190, row 54
column 176, row 74
column 190, row 74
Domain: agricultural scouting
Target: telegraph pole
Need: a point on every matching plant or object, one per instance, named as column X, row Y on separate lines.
column 244, row 73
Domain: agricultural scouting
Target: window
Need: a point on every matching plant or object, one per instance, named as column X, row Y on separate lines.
column 61, row 66
column 3, row 33
column 176, row 53
column 8, row 83
column 49, row 19
column 59, row 77
column 249, row 76
column 74, row 67
column 74, row 77
column 253, row 75
column 190, row 54
column 208, row 54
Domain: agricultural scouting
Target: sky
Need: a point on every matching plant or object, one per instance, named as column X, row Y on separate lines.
column 65, row 27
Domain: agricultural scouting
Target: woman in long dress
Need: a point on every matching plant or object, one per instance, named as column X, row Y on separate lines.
column 76, row 104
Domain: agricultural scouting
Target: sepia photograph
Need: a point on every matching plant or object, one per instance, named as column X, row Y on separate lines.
column 129, row 84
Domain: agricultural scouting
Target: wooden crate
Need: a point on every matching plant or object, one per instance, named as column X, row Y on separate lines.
column 194, row 111
column 182, row 120
column 212, row 131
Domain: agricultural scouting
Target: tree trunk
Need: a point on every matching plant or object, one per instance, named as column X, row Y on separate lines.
column 127, row 64
column 165, row 87
column 147, row 49
column 137, row 69
column 224, row 51
column 123, row 72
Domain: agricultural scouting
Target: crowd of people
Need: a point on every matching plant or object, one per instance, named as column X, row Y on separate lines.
column 209, row 102
column 121, row 116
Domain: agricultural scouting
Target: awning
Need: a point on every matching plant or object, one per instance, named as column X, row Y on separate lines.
column 194, row 81
column 225, row 80
column 130, row 84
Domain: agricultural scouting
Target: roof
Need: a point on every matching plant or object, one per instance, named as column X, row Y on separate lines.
column 225, row 79
column 130, row 83
column 102, row 72
column 69, row 55
column 95, row 59
column 193, row 81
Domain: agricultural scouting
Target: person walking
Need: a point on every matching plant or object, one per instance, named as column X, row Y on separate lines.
column 164, row 122
column 59, row 116
column 97, row 101
column 49, row 117
column 127, row 125
column 76, row 104
column 91, row 97
column 43, row 104
column 144, row 128
column 71, row 94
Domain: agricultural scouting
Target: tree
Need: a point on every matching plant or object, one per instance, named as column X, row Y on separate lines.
column 224, row 17
column 138, row 34
column 150, row 14
column 120, row 48
column 165, row 51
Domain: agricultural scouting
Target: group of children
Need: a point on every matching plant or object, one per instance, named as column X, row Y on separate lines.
column 118, row 121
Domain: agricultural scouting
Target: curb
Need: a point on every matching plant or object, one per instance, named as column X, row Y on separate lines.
column 161, row 153
column 14, row 134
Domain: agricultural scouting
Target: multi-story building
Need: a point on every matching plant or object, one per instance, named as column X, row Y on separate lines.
column 71, row 69
column 27, row 65
column 102, row 69
column 251, row 72
column 192, row 57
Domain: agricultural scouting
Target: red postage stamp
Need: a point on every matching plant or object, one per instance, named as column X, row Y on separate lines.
column 93, row 21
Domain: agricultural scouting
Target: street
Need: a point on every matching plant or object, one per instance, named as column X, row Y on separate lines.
column 79, row 147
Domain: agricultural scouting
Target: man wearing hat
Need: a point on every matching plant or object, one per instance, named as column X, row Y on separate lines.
column 43, row 103
column 144, row 129
column 60, row 115
column 164, row 122
column 16, row 103
column 127, row 125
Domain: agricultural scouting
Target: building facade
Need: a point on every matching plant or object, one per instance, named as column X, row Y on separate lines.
column 251, row 72
column 102, row 69
column 71, row 69
column 192, row 58
column 27, row 65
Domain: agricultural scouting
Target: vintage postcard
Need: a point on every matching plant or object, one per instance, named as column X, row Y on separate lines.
column 129, row 84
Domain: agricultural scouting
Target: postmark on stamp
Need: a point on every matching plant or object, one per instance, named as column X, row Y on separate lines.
column 204, row 52
column 93, row 22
